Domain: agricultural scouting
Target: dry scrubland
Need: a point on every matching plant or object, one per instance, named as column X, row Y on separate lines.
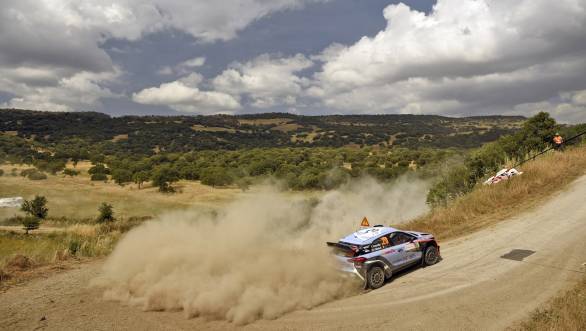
column 484, row 206
column 487, row 205
column 79, row 198
column 566, row 312
column 70, row 235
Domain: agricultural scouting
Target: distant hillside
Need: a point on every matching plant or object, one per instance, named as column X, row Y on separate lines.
column 151, row 134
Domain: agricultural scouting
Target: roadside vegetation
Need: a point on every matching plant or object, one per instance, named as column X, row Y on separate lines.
column 486, row 205
column 62, row 243
column 565, row 312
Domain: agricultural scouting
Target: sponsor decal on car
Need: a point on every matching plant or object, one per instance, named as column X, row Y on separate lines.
column 412, row 246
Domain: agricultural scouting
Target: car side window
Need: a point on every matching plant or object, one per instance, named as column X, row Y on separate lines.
column 380, row 243
column 399, row 238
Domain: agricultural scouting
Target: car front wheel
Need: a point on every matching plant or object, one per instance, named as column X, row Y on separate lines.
column 431, row 256
column 375, row 277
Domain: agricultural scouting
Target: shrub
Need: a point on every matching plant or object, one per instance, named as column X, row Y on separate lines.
column 33, row 174
column 99, row 177
column 99, row 169
column 36, row 207
column 70, row 172
column 30, row 223
column 1, row 172
column 535, row 136
column 37, row 175
column 106, row 213
column 74, row 246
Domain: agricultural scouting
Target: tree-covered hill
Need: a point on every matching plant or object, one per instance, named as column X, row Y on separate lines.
column 149, row 135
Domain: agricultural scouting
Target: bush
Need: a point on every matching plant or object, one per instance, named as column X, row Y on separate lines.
column 36, row 207
column 99, row 177
column 74, row 246
column 70, row 172
column 30, row 223
column 106, row 213
column 33, row 174
column 99, row 169
column 535, row 136
column 1, row 172
column 37, row 176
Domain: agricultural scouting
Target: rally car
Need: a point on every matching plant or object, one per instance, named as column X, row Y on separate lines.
column 375, row 253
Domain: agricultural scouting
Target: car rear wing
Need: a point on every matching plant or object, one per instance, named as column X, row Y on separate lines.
column 343, row 249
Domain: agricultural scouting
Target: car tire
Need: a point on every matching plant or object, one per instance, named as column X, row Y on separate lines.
column 375, row 277
column 430, row 256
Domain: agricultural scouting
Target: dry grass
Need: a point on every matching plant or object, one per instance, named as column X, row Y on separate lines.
column 198, row 127
column 81, row 240
column 566, row 312
column 487, row 205
column 264, row 121
column 120, row 137
column 287, row 127
column 78, row 197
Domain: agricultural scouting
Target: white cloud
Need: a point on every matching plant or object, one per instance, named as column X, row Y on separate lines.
column 465, row 57
column 65, row 35
column 183, row 68
column 76, row 92
column 184, row 95
column 267, row 81
column 568, row 107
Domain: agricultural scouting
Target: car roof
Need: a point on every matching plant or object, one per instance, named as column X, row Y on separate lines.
column 367, row 235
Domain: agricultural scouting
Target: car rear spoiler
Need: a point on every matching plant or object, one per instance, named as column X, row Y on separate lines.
column 340, row 245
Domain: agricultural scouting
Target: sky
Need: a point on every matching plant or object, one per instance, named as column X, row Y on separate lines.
column 170, row 57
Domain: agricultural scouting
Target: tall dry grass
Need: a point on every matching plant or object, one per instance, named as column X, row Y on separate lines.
column 486, row 205
column 565, row 312
column 72, row 241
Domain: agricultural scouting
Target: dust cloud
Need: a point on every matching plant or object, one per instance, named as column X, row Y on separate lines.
column 258, row 258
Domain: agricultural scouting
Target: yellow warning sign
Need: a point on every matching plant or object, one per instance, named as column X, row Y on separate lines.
column 364, row 222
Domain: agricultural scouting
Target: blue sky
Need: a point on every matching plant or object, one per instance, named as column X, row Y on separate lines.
column 453, row 57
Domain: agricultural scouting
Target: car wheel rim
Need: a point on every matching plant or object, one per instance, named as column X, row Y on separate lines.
column 431, row 256
column 377, row 278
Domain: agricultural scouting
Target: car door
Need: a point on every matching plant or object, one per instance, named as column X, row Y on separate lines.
column 401, row 250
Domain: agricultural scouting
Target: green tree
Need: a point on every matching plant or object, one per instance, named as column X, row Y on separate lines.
column 37, row 210
column 106, row 213
column 216, row 176
column 99, row 177
column 122, row 176
column 99, row 168
column 163, row 177
column 140, row 177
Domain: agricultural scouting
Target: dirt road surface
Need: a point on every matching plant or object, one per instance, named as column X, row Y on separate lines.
column 473, row 288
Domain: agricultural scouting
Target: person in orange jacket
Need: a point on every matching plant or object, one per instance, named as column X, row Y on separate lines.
column 558, row 141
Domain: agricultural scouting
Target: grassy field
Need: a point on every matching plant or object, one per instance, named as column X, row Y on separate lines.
column 78, row 197
column 565, row 312
column 487, row 205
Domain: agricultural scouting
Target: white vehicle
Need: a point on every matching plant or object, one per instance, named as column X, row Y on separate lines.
column 504, row 174
column 13, row 202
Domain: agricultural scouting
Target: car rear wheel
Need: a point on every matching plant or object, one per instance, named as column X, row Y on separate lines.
column 375, row 277
column 431, row 256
